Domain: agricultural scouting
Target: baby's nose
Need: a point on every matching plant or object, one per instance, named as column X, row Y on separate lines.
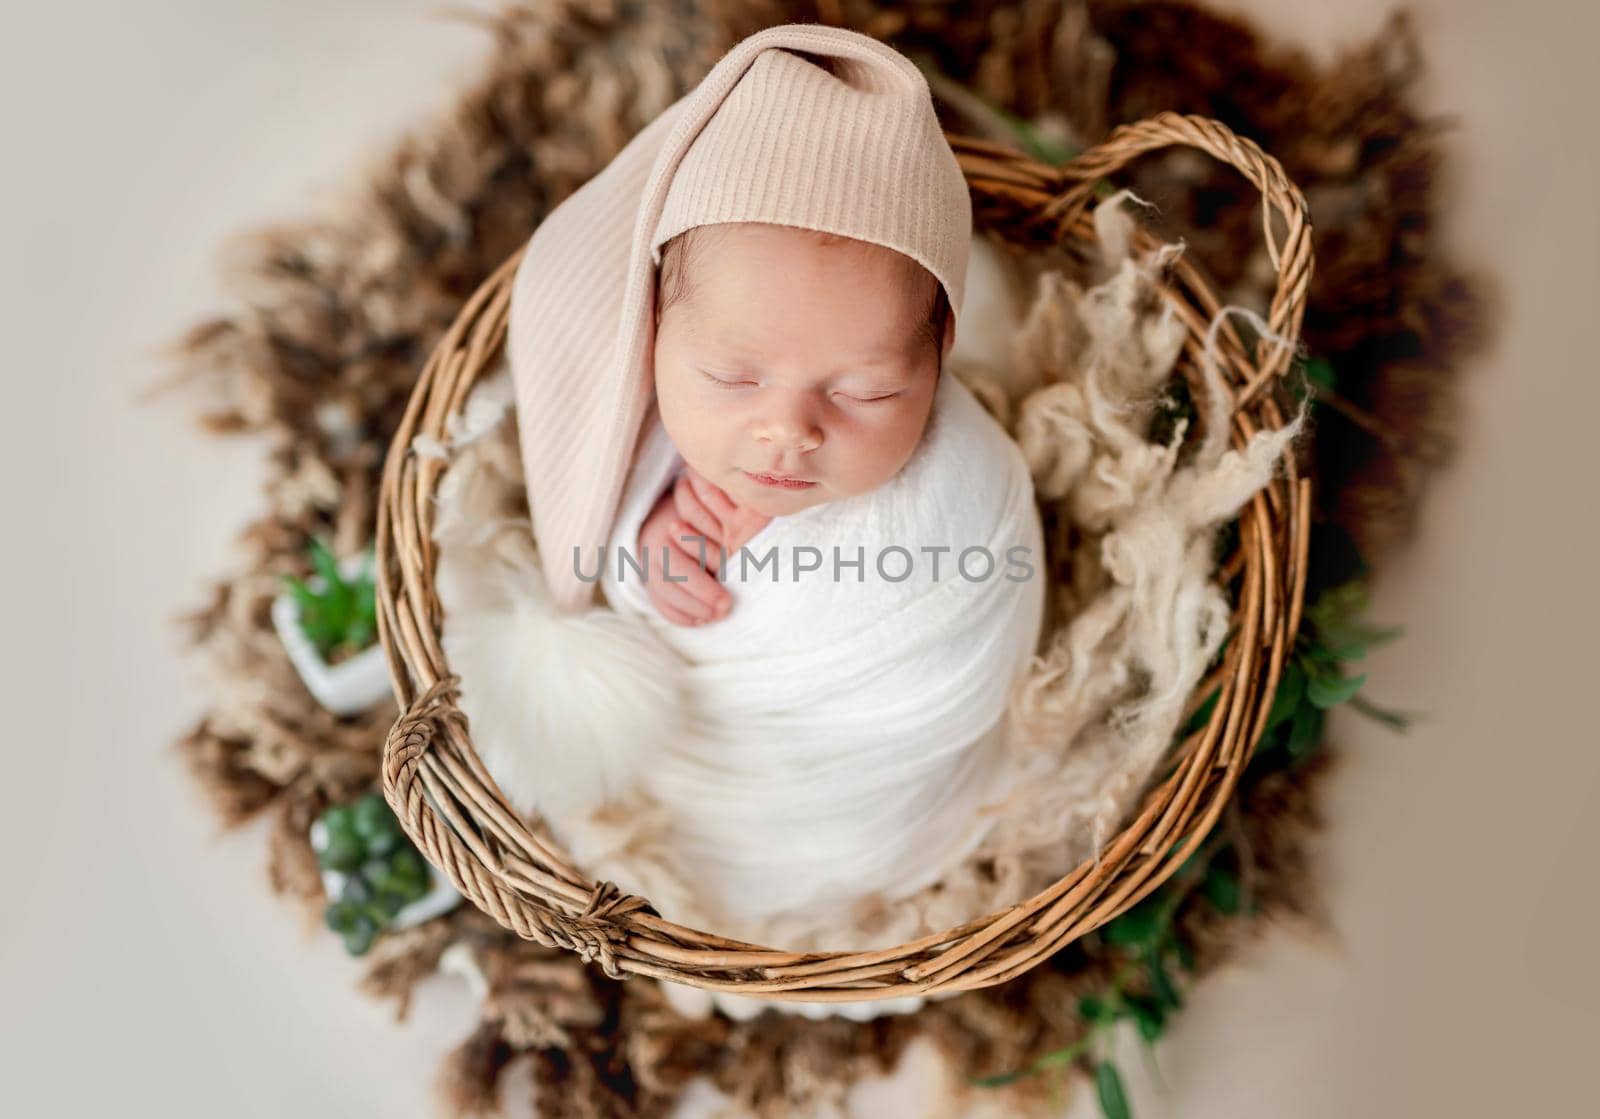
column 789, row 430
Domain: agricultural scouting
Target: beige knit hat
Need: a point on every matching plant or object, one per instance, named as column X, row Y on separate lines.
column 845, row 142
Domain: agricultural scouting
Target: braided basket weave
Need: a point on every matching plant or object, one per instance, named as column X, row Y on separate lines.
column 515, row 872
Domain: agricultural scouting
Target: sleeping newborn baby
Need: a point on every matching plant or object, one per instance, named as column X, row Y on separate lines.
column 726, row 350
column 849, row 636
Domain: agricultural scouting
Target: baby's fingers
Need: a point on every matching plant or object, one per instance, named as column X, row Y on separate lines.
column 681, row 607
column 712, row 497
column 706, row 597
column 670, row 611
column 693, row 512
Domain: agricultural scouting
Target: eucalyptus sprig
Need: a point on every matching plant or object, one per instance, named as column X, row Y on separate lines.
column 340, row 615
column 1318, row 678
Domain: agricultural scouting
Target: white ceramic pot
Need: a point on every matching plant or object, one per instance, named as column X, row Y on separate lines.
column 350, row 687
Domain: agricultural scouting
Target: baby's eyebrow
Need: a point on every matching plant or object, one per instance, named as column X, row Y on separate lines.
column 885, row 373
column 735, row 348
column 871, row 360
column 879, row 357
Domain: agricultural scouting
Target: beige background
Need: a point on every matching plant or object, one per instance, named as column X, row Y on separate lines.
column 143, row 968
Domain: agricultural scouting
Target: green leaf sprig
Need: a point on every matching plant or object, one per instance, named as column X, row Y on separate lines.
column 1318, row 678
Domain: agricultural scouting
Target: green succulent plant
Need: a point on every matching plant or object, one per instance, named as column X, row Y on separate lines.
column 340, row 617
column 385, row 873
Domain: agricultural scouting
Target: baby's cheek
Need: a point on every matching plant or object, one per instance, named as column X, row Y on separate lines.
column 691, row 418
column 885, row 450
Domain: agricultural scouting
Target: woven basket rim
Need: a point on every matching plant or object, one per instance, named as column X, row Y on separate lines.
column 451, row 808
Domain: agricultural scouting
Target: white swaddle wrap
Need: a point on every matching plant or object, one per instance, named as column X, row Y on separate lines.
column 842, row 733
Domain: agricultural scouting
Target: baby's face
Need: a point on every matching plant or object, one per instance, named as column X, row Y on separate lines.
column 795, row 358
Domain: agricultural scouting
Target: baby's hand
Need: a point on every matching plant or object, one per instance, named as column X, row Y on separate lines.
column 700, row 598
column 713, row 514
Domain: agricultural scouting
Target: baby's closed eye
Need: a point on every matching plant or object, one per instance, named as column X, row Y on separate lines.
column 853, row 392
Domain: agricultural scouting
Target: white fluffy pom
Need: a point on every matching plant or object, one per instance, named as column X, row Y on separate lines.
column 562, row 707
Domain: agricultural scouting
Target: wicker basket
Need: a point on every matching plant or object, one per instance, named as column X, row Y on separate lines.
column 516, row 873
